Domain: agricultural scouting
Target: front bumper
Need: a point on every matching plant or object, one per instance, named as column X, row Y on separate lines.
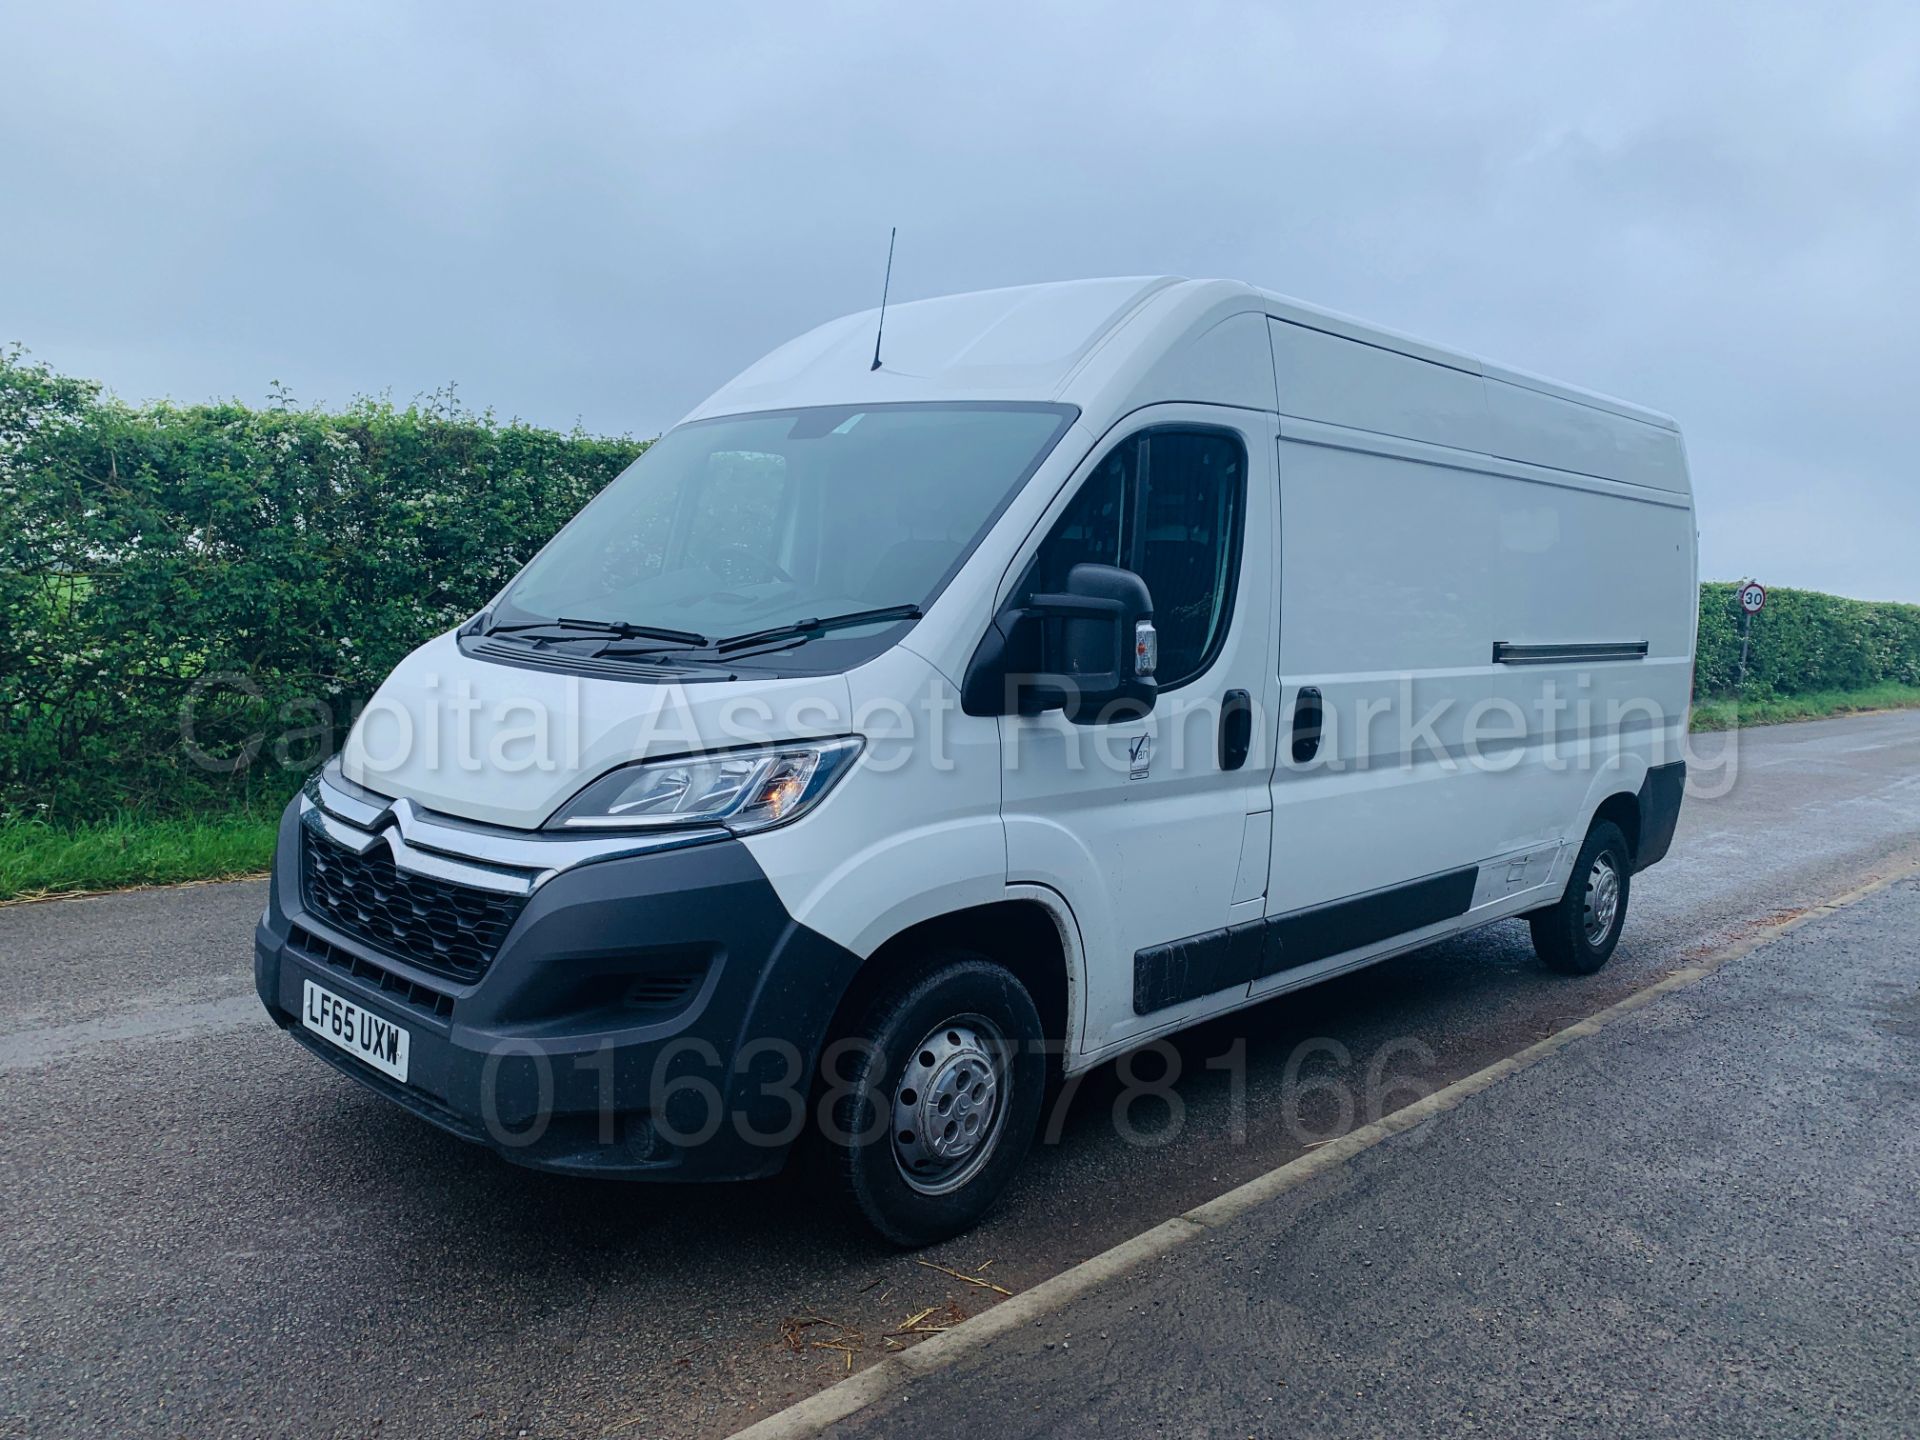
column 652, row 1016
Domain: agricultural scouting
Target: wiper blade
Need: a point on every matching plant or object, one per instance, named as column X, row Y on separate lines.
column 807, row 629
column 619, row 629
column 628, row 631
column 618, row 649
column 747, row 652
column 599, row 627
column 798, row 632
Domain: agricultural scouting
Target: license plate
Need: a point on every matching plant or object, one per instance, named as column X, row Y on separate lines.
column 359, row 1032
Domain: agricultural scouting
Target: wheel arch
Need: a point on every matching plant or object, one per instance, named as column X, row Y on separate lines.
column 1031, row 931
column 1623, row 809
column 1614, row 794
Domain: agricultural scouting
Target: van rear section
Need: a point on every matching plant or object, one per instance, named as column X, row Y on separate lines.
column 1115, row 655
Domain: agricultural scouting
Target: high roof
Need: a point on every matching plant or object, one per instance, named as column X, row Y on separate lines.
column 1018, row 343
column 1044, row 342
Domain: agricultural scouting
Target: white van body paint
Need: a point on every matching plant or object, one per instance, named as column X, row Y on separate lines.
column 445, row 730
column 914, row 833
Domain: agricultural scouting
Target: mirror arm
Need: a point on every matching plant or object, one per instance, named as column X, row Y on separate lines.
column 1075, row 607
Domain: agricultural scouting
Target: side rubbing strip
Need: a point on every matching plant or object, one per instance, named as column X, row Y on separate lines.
column 1505, row 652
column 1216, row 960
column 1310, row 935
column 1185, row 969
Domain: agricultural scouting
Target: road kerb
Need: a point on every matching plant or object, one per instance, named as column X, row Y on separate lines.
column 847, row 1397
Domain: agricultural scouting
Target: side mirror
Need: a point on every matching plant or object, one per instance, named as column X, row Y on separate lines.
column 1089, row 650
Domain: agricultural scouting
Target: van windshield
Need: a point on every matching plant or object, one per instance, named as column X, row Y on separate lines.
column 752, row 522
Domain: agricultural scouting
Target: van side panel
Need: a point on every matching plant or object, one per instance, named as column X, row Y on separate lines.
column 1540, row 429
column 1386, row 605
column 1435, row 523
column 1577, row 567
column 1364, row 387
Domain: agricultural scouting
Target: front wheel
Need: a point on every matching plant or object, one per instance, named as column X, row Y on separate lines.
column 938, row 1079
column 1577, row 935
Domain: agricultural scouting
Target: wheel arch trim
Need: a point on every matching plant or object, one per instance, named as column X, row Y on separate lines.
column 1057, row 982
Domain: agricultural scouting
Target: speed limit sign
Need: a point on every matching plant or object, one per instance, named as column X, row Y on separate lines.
column 1753, row 597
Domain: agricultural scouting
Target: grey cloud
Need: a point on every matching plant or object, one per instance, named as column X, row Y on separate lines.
column 602, row 212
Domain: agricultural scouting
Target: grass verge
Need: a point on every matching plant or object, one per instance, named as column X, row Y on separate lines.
column 37, row 859
column 1727, row 714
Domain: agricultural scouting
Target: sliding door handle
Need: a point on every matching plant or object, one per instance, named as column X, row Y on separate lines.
column 1236, row 729
column 1306, row 724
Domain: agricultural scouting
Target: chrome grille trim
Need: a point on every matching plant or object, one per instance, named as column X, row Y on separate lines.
column 464, row 852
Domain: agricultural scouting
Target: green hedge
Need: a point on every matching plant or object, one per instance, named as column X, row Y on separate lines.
column 1806, row 641
column 264, row 567
column 267, row 565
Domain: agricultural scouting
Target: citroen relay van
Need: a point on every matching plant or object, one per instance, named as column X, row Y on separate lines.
column 908, row 726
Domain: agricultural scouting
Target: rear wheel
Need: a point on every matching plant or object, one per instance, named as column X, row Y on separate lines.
column 937, row 1081
column 1577, row 935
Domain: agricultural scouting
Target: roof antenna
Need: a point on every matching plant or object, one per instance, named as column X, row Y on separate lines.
column 885, row 285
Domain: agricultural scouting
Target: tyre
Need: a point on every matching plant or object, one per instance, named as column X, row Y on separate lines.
column 936, row 1081
column 1576, row 935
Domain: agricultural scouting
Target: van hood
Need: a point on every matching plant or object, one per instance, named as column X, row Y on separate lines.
column 507, row 745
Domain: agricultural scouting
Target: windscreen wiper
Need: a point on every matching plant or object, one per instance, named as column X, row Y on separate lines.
column 619, row 629
column 807, row 629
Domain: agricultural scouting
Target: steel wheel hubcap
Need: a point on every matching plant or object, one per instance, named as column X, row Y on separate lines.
column 1603, row 899
column 947, row 1107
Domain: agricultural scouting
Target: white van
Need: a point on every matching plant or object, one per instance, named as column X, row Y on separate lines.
column 905, row 727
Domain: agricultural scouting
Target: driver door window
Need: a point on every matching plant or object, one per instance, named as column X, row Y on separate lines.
column 1165, row 504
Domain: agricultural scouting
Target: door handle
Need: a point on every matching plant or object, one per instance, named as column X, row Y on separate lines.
column 1236, row 729
column 1306, row 724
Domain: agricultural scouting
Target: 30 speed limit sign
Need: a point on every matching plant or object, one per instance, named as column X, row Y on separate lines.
column 1753, row 597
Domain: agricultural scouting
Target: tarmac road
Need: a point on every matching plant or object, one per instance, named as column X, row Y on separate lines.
column 1696, row 1221
column 207, row 1231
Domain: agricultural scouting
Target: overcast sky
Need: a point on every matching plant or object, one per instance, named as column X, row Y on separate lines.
column 599, row 213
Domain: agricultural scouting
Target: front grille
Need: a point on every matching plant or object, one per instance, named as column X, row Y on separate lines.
column 452, row 929
column 392, row 984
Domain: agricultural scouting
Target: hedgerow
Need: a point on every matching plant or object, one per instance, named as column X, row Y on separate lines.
column 1805, row 641
column 255, row 570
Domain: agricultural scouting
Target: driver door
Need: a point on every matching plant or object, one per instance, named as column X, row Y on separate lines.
column 1156, row 830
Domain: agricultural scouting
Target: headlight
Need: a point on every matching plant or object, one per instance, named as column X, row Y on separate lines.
column 744, row 790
